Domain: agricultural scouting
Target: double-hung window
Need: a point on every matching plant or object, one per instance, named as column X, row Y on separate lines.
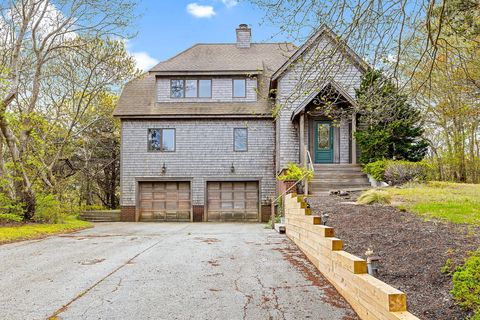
column 240, row 139
column 190, row 88
column 161, row 140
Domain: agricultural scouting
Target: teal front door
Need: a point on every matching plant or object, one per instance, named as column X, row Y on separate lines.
column 323, row 143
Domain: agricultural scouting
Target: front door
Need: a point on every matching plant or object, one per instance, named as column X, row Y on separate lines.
column 323, row 144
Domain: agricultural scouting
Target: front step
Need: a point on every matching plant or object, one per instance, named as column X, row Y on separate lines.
column 338, row 176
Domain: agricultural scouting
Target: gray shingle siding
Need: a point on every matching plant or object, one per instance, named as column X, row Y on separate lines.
column 221, row 91
column 336, row 67
column 204, row 151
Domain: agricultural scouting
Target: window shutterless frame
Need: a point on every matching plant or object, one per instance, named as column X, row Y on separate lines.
column 171, row 88
column 234, row 140
column 160, row 130
column 211, row 88
column 184, row 88
column 233, row 88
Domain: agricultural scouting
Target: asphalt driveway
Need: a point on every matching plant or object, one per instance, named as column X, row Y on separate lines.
column 164, row 271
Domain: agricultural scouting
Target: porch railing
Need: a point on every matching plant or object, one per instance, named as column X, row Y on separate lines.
column 304, row 178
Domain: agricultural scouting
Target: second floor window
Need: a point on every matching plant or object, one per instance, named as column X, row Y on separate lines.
column 190, row 88
column 239, row 88
column 161, row 140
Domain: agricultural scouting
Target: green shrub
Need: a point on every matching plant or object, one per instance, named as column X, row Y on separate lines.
column 10, row 217
column 376, row 169
column 296, row 173
column 466, row 284
column 10, row 206
column 375, row 197
column 49, row 209
column 400, row 172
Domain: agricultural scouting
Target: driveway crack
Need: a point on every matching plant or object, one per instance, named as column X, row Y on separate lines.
column 83, row 293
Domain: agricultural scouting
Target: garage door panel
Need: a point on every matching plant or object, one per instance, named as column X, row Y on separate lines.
column 232, row 201
column 165, row 201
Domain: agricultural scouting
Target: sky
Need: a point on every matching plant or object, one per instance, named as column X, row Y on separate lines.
column 167, row 27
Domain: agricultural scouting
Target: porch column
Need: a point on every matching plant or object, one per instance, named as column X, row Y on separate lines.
column 302, row 139
column 354, row 142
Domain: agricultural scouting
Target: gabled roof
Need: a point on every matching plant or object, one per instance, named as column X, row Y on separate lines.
column 324, row 31
column 338, row 88
column 227, row 58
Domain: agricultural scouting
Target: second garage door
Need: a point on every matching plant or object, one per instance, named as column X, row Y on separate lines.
column 165, row 201
column 232, row 201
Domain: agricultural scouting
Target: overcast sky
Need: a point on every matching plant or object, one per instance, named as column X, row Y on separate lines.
column 166, row 27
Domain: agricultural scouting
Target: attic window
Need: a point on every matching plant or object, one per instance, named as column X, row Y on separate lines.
column 239, row 88
column 190, row 88
column 177, row 88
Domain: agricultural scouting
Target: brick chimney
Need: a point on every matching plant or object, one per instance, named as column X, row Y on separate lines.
column 244, row 36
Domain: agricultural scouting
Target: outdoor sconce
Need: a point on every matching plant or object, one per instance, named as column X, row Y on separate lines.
column 232, row 168
column 164, row 168
column 373, row 263
column 325, row 218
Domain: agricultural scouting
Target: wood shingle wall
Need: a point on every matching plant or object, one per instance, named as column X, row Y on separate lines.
column 204, row 151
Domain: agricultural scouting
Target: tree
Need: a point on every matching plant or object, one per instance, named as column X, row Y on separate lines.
column 56, row 57
column 449, row 93
column 393, row 127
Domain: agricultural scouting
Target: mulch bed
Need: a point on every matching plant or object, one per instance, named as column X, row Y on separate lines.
column 412, row 251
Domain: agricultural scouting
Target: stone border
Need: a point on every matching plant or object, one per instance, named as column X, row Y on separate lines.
column 368, row 296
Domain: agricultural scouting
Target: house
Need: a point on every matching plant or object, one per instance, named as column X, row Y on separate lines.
column 199, row 141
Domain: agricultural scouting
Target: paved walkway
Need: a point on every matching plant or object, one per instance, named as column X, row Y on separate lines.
column 164, row 271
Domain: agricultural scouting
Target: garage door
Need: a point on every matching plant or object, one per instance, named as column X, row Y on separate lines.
column 232, row 201
column 165, row 201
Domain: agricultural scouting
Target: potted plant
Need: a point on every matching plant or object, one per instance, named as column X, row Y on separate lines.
column 292, row 175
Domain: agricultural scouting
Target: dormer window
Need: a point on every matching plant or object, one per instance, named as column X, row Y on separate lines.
column 190, row 88
column 239, row 88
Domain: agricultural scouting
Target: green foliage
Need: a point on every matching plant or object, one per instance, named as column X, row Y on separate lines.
column 36, row 230
column 10, row 206
column 393, row 127
column 400, row 172
column 376, row 169
column 296, row 173
column 375, row 197
column 269, row 223
column 466, row 284
column 9, row 217
column 448, row 267
column 49, row 209
column 454, row 202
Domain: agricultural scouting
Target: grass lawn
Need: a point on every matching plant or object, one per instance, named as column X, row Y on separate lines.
column 38, row 230
column 455, row 202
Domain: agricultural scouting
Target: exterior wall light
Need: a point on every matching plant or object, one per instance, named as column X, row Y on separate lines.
column 164, row 168
column 373, row 263
column 232, row 168
column 325, row 218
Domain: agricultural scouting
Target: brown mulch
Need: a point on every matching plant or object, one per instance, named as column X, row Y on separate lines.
column 412, row 250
